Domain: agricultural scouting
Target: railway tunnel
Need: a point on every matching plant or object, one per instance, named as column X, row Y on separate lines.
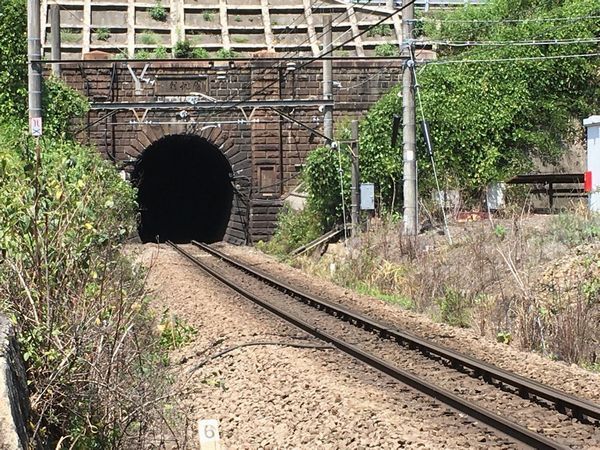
column 184, row 190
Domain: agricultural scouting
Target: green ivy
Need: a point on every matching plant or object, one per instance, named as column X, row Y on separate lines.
column 13, row 59
column 488, row 121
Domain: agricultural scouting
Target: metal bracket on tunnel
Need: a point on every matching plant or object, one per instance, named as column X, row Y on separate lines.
column 139, row 120
column 138, row 80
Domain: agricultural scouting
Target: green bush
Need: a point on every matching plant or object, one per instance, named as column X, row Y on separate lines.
column 183, row 49
column 208, row 15
column 161, row 52
column 200, row 53
column 380, row 30
column 149, row 38
column 225, row 53
column 158, row 12
column 574, row 229
column 294, row 228
column 455, row 309
column 78, row 306
column 387, row 49
column 13, row 59
column 61, row 105
column 102, row 34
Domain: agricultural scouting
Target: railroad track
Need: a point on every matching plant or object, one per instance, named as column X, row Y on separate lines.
column 582, row 410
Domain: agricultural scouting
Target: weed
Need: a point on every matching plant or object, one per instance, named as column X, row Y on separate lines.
column 454, row 308
column 577, row 228
column 387, row 49
column 238, row 18
column 294, row 228
column 395, row 299
column 161, row 52
column 239, row 39
column 102, row 34
column 158, row 12
column 174, row 333
column 208, row 15
column 70, row 36
column 200, row 53
column 143, row 54
column 500, row 231
column 149, row 38
column 183, row 49
column 380, row 30
column 226, row 53
column 504, row 337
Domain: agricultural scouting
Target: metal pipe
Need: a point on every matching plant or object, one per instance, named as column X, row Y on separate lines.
column 34, row 50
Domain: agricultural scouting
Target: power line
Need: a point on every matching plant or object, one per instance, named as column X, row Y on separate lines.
column 515, row 59
column 512, row 43
column 541, row 19
column 317, row 58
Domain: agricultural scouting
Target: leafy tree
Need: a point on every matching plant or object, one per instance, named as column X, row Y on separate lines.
column 13, row 58
column 488, row 120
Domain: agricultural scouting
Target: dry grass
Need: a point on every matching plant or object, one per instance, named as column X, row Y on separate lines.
column 501, row 278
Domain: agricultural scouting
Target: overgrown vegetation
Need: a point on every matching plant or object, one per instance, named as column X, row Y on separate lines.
column 102, row 34
column 94, row 361
column 380, row 30
column 226, row 53
column 208, row 15
column 534, row 285
column 149, row 38
column 69, row 36
column 183, row 49
column 158, row 12
column 200, row 53
column 492, row 109
column 387, row 49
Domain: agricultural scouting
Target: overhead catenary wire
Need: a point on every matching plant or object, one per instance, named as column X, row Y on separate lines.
column 515, row 59
column 530, row 20
column 317, row 58
column 533, row 42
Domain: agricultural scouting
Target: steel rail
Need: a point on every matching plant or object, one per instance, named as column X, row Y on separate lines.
column 488, row 372
column 504, row 426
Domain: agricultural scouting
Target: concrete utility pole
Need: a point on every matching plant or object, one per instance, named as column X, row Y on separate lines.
column 409, row 153
column 355, row 180
column 34, row 48
column 327, row 77
column 55, row 29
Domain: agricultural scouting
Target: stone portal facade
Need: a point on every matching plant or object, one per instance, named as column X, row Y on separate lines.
column 136, row 103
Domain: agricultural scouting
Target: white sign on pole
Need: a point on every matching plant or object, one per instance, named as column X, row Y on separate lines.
column 36, row 126
column 208, row 432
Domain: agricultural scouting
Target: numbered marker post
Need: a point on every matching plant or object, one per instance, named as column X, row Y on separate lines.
column 208, row 433
column 35, row 126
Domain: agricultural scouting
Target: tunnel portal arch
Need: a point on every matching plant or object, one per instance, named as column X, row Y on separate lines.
column 185, row 190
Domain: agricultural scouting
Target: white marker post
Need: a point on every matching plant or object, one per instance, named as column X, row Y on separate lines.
column 208, row 433
column 593, row 161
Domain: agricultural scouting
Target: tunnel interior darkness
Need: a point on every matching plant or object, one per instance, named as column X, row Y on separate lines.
column 184, row 190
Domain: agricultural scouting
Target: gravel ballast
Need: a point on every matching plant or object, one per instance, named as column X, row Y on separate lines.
column 278, row 393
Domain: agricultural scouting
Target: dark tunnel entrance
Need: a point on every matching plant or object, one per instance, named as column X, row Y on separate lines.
column 184, row 190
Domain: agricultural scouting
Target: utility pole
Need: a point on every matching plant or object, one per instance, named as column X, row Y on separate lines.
column 34, row 49
column 55, row 30
column 327, row 77
column 355, row 177
column 408, row 127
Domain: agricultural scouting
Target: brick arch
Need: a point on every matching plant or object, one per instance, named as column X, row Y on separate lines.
column 238, row 231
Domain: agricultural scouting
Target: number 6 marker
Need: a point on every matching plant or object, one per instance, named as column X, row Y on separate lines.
column 208, row 433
